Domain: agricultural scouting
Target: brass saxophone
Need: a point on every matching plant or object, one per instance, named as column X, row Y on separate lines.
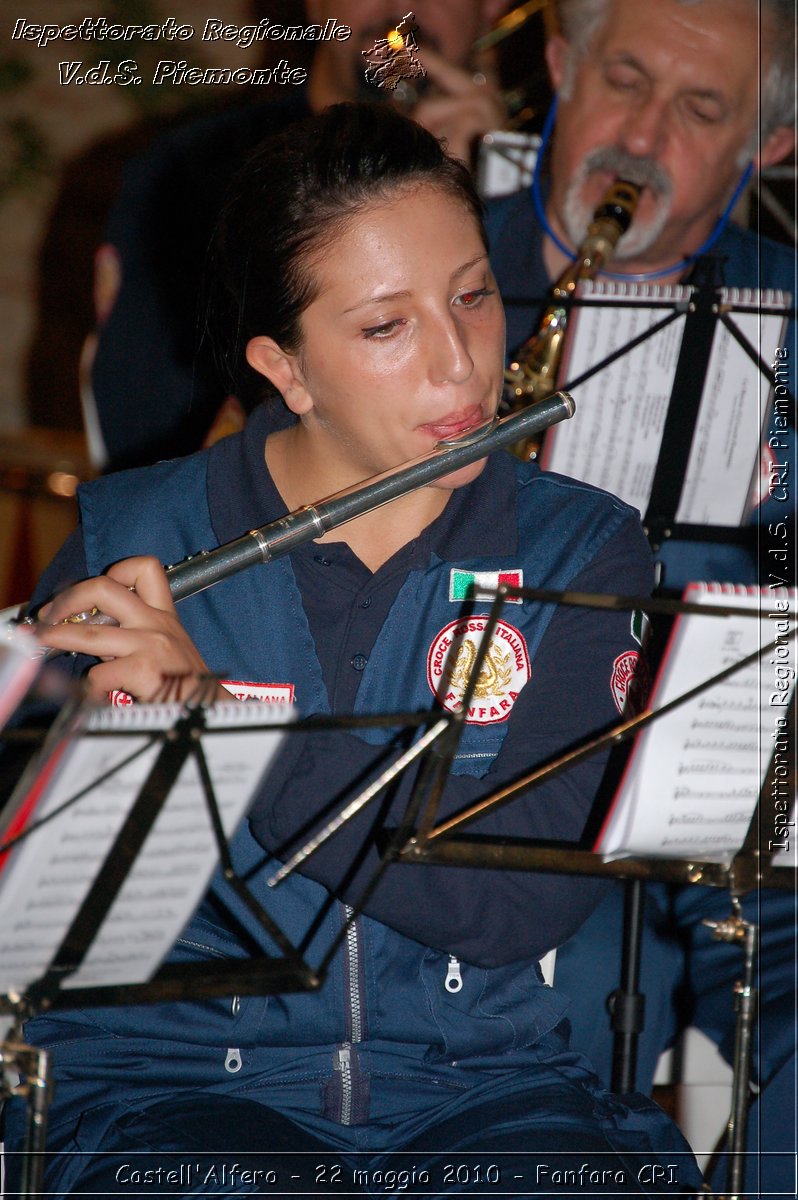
column 532, row 376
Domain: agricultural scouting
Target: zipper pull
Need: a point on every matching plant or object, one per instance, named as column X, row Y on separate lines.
column 233, row 1061
column 344, row 1057
column 235, row 1005
column 454, row 980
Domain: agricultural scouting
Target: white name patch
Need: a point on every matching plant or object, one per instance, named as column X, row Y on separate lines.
column 267, row 693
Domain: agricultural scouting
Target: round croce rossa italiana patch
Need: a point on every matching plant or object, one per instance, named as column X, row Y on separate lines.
column 504, row 672
column 629, row 683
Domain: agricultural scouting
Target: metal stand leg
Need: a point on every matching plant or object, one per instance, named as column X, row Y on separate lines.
column 735, row 929
column 627, row 1004
column 33, row 1067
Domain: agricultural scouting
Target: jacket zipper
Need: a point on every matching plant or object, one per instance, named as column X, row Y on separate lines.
column 232, row 1062
column 353, row 971
column 454, row 978
column 344, row 1065
column 354, row 1015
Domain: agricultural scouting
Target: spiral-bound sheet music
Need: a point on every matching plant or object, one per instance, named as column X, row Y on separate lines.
column 614, row 441
column 44, row 880
column 694, row 777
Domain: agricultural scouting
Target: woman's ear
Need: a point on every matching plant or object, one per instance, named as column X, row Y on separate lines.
column 282, row 370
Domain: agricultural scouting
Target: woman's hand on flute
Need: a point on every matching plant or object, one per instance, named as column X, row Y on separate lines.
column 147, row 653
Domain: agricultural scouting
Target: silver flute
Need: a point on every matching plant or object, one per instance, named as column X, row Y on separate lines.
column 203, row 569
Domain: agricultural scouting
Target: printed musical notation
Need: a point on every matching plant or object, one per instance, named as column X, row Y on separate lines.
column 694, row 777
column 46, row 877
column 615, row 441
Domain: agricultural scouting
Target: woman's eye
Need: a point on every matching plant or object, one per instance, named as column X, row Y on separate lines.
column 382, row 331
column 475, row 298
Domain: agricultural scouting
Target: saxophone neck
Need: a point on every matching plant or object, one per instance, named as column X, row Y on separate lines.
column 565, row 286
column 534, row 373
column 610, row 222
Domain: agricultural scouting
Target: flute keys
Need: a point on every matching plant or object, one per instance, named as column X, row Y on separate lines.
column 91, row 616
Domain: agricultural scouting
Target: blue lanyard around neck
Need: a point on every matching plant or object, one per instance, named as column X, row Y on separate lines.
column 540, row 212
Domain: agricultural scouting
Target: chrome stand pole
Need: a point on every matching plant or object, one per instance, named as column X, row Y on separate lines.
column 735, row 929
column 33, row 1068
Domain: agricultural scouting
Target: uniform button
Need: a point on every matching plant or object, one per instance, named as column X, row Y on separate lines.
column 359, row 662
column 366, row 603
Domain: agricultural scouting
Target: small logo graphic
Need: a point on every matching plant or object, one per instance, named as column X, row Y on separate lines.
column 267, row 693
column 393, row 58
column 478, row 585
column 120, row 699
column 640, row 628
column 505, row 670
column 629, row 683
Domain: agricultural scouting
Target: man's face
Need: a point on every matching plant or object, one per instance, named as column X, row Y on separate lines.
column 665, row 96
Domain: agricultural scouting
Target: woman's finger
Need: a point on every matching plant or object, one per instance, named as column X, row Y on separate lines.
column 139, row 679
column 145, row 576
column 115, row 595
column 96, row 641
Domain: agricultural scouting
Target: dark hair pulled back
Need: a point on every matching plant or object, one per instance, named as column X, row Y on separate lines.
column 286, row 204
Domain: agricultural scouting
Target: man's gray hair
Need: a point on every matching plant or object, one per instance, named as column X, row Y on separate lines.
column 580, row 20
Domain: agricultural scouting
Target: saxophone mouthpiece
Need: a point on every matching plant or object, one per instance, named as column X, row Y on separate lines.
column 619, row 204
column 610, row 221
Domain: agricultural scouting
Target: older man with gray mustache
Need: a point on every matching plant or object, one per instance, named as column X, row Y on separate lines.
column 688, row 99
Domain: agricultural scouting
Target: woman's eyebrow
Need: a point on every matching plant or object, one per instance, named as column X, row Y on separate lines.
column 381, row 297
column 378, row 298
column 472, row 262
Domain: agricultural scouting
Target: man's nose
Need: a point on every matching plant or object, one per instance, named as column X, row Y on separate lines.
column 645, row 130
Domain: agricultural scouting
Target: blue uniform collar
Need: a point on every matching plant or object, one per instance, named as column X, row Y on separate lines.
column 242, row 496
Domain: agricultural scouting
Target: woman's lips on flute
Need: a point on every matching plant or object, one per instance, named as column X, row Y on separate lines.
column 454, row 423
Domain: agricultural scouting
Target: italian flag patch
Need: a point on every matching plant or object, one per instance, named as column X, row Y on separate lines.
column 475, row 585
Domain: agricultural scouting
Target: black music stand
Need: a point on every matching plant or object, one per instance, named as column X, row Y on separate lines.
column 749, row 869
column 702, row 313
column 287, row 971
column 434, row 749
column 420, row 840
column 417, row 839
